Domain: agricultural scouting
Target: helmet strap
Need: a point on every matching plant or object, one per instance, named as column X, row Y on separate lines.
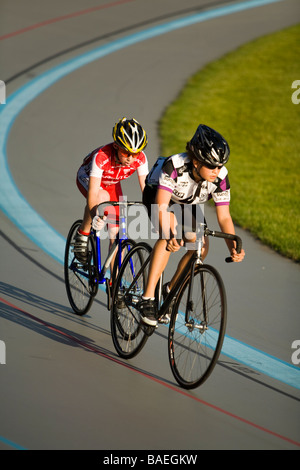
column 195, row 168
column 117, row 160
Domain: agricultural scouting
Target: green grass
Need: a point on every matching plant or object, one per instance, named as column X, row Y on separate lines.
column 247, row 97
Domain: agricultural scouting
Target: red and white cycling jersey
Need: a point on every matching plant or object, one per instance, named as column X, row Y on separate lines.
column 102, row 164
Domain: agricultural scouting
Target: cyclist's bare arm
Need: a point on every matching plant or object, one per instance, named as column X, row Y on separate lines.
column 226, row 225
column 142, row 179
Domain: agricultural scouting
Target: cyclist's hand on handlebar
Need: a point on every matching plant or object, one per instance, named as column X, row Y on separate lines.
column 174, row 245
column 237, row 257
column 98, row 222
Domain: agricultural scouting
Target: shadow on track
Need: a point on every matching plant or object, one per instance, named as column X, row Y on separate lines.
column 57, row 333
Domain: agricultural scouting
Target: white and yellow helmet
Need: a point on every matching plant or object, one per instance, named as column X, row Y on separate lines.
column 129, row 135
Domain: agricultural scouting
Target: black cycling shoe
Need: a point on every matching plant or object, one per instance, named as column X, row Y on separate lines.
column 148, row 311
column 80, row 249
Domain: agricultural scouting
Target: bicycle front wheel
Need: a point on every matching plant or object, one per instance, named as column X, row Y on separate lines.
column 129, row 334
column 81, row 281
column 197, row 327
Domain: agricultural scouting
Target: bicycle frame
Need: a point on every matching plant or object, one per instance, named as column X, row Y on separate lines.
column 103, row 269
column 122, row 235
column 190, row 267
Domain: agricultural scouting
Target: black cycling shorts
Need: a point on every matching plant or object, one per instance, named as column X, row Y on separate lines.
column 188, row 216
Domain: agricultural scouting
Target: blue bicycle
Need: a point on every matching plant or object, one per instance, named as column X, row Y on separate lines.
column 82, row 281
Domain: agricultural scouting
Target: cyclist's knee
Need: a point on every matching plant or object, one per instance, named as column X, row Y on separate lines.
column 103, row 196
column 113, row 231
column 189, row 237
column 205, row 247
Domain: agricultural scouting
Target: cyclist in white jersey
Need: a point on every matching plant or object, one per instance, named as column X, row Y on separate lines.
column 186, row 180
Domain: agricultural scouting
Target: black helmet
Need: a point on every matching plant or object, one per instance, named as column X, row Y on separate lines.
column 130, row 135
column 209, row 147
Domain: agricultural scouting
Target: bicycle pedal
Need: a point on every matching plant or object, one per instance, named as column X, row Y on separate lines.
column 164, row 320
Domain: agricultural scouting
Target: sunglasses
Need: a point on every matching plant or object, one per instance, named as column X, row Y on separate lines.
column 124, row 153
column 213, row 167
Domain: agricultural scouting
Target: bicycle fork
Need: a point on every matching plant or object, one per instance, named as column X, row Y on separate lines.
column 190, row 313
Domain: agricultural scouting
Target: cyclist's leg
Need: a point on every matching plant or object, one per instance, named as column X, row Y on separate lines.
column 192, row 215
column 115, row 194
column 185, row 259
column 159, row 260
column 205, row 248
column 103, row 196
column 113, row 231
column 159, row 256
column 82, row 236
column 181, row 265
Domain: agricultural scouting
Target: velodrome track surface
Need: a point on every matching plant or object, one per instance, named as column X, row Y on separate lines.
column 63, row 386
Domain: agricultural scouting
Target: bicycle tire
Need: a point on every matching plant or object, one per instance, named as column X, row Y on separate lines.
column 126, row 245
column 80, row 281
column 194, row 346
column 129, row 333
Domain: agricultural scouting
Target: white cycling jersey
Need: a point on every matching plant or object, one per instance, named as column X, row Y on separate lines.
column 174, row 174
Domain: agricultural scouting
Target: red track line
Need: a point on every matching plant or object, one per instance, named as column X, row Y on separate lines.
column 161, row 382
column 62, row 18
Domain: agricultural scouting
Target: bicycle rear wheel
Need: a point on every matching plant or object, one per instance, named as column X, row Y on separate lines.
column 129, row 334
column 195, row 340
column 81, row 281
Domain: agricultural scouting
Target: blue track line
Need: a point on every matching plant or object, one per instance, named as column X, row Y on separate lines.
column 11, row 444
column 19, row 211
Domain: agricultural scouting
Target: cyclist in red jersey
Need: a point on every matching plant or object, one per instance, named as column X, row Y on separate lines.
column 101, row 172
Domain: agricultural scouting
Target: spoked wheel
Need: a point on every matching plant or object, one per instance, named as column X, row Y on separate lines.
column 80, row 280
column 196, row 337
column 126, row 246
column 129, row 333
